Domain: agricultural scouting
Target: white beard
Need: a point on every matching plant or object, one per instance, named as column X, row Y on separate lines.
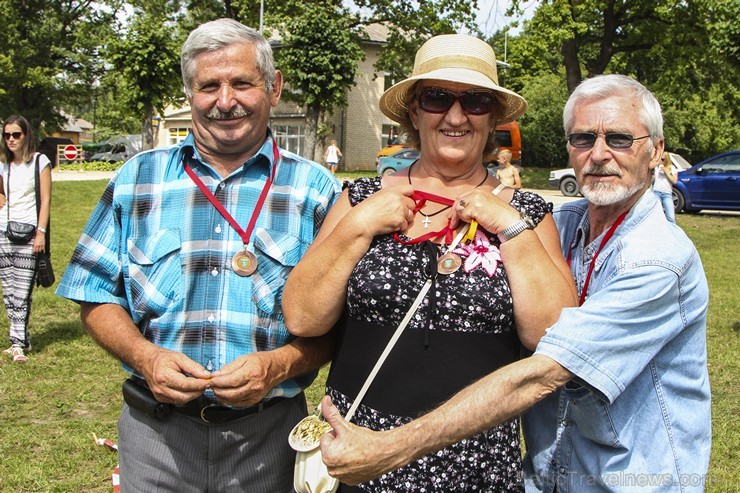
column 608, row 193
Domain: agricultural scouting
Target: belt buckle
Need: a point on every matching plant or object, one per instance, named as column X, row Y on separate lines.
column 203, row 411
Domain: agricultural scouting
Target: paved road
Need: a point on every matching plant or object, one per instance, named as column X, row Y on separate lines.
column 553, row 196
column 73, row 175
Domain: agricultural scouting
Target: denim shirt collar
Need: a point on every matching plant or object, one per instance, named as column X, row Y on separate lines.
column 636, row 215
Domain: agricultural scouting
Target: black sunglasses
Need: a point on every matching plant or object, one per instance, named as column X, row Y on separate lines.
column 472, row 101
column 15, row 135
column 586, row 140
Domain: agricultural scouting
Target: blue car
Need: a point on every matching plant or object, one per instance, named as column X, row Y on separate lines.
column 396, row 161
column 711, row 184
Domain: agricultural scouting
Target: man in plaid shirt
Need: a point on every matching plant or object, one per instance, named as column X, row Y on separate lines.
column 180, row 271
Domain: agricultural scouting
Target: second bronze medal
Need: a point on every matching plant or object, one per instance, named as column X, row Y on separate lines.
column 448, row 263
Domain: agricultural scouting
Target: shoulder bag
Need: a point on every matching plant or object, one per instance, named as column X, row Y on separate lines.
column 44, row 271
column 310, row 474
column 20, row 233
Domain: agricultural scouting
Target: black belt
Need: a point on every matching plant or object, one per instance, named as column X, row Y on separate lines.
column 136, row 393
column 210, row 412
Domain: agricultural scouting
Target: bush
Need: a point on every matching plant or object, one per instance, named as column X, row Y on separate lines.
column 90, row 166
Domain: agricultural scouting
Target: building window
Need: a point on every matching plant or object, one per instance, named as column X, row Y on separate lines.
column 390, row 135
column 289, row 137
column 388, row 81
column 177, row 135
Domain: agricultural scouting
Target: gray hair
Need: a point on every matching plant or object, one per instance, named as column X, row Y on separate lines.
column 604, row 86
column 218, row 34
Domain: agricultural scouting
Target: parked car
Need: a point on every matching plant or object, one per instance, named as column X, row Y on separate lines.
column 120, row 149
column 565, row 179
column 711, row 184
column 389, row 150
column 400, row 159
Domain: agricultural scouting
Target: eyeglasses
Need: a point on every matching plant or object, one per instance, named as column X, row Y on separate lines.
column 15, row 135
column 586, row 140
column 472, row 101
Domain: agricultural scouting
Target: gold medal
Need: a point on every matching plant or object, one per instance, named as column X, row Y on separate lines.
column 244, row 263
column 448, row 263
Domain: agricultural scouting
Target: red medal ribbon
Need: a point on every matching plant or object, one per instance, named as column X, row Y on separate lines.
column 606, row 238
column 420, row 198
column 245, row 235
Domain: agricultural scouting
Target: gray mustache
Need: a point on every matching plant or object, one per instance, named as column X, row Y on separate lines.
column 217, row 114
column 602, row 170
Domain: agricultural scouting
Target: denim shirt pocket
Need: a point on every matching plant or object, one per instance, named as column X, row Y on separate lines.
column 591, row 416
column 277, row 253
column 154, row 273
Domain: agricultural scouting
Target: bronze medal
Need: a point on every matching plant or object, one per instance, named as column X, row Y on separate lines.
column 448, row 263
column 244, row 263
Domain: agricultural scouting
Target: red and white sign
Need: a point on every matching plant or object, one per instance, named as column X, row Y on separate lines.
column 70, row 152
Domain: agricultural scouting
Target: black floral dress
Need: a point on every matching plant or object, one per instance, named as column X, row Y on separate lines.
column 463, row 330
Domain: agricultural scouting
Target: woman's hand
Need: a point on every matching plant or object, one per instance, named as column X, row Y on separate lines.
column 39, row 242
column 388, row 211
column 490, row 211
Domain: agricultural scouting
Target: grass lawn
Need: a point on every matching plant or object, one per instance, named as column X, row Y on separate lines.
column 70, row 389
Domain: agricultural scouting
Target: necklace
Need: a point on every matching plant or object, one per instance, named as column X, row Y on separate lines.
column 606, row 238
column 426, row 222
column 244, row 263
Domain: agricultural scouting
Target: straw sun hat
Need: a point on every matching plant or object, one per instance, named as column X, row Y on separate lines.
column 454, row 58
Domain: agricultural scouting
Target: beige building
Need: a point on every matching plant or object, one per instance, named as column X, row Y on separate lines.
column 360, row 129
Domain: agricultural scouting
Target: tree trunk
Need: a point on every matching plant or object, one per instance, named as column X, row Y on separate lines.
column 313, row 117
column 147, row 131
column 572, row 67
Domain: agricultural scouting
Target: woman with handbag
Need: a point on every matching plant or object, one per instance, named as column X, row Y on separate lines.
column 24, row 220
column 482, row 261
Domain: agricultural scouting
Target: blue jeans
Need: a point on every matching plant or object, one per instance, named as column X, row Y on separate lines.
column 666, row 198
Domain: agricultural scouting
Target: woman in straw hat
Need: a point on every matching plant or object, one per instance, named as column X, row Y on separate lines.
column 492, row 254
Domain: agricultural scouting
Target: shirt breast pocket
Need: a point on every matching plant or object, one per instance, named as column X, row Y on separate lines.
column 154, row 273
column 591, row 415
column 277, row 253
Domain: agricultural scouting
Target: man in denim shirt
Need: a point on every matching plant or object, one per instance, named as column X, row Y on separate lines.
column 617, row 391
column 180, row 273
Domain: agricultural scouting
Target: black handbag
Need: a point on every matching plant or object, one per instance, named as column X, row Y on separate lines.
column 20, row 233
column 44, row 272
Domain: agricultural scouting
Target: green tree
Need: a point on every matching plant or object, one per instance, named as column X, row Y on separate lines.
column 543, row 141
column 319, row 59
column 146, row 65
column 46, row 60
column 410, row 23
column 685, row 52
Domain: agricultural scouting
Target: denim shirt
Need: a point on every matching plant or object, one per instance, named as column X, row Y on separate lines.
column 157, row 247
column 636, row 417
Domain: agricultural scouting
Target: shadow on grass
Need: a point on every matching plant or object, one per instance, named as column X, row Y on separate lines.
column 57, row 332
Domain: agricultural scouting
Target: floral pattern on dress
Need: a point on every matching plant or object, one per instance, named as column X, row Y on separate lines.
column 488, row 462
column 473, row 299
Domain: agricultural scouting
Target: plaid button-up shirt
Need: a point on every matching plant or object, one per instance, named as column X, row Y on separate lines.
column 156, row 246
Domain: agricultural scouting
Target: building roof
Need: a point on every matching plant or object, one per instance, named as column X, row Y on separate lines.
column 76, row 125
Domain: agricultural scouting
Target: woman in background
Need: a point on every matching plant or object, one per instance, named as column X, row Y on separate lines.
column 18, row 157
column 666, row 175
